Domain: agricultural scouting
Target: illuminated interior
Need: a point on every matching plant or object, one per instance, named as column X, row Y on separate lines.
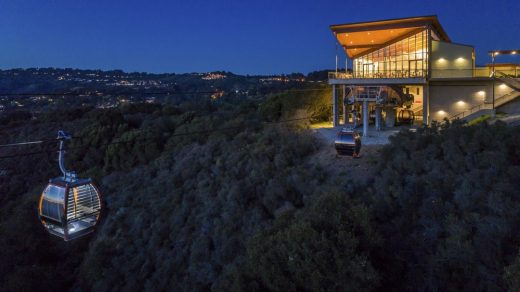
column 405, row 58
column 69, row 210
column 394, row 48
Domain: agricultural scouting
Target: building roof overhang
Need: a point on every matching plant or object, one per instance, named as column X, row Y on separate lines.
column 364, row 37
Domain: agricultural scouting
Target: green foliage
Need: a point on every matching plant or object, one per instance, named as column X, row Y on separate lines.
column 326, row 247
column 479, row 120
column 243, row 209
column 446, row 203
column 316, row 104
column 180, row 222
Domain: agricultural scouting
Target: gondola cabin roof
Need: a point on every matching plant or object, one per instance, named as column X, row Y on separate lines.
column 60, row 181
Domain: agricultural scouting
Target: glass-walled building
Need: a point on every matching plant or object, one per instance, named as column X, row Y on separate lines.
column 414, row 59
column 402, row 59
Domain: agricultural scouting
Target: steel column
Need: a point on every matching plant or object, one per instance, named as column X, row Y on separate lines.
column 365, row 118
column 335, row 114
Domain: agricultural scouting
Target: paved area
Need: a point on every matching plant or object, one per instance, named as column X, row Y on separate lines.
column 374, row 137
column 347, row 168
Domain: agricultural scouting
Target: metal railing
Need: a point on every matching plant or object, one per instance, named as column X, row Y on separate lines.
column 435, row 73
column 506, row 98
column 471, row 111
column 459, row 73
column 340, row 75
column 488, row 105
column 508, row 79
column 380, row 74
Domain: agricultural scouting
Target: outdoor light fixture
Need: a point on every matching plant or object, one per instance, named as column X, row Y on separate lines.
column 481, row 93
column 503, row 52
column 502, row 86
column 460, row 103
column 441, row 112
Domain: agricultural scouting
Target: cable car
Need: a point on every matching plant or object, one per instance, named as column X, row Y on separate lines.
column 406, row 117
column 348, row 142
column 69, row 207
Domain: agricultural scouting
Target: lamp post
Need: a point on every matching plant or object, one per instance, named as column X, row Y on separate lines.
column 493, row 74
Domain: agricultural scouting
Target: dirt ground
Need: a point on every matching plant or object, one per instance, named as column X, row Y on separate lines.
column 356, row 169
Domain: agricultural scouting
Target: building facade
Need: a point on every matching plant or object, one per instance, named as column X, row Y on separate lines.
column 410, row 67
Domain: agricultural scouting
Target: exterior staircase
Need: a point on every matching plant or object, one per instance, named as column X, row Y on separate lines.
column 512, row 82
column 486, row 108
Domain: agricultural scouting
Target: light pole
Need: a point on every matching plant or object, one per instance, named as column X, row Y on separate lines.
column 493, row 75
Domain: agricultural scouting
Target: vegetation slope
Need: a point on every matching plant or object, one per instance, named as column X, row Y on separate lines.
column 243, row 209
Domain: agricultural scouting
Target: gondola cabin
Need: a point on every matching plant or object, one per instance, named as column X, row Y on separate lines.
column 69, row 207
column 405, row 117
column 348, row 142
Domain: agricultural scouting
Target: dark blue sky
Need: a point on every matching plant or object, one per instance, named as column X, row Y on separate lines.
column 242, row 36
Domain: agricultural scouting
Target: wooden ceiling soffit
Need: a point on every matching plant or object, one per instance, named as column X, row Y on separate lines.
column 339, row 29
column 404, row 36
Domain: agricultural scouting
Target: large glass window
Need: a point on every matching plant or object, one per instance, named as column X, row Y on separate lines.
column 52, row 203
column 403, row 59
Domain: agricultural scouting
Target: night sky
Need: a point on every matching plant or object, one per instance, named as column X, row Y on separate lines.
column 242, row 36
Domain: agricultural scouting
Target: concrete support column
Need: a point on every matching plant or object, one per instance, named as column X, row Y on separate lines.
column 378, row 118
column 345, row 114
column 335, row 114
column 426, row 105
column 365, row 118
column 390, row 117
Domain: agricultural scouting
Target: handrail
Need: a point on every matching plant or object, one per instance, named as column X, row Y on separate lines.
column 471, row 111
column 498, row 101
column 380, row 74
column 435, row 73
column 506, row 78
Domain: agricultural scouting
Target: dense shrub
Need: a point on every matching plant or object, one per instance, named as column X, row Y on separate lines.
column 243, row 209
column 325, row 247
column 315, row 103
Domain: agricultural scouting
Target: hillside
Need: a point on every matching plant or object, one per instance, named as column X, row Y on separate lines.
column 257, row 206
